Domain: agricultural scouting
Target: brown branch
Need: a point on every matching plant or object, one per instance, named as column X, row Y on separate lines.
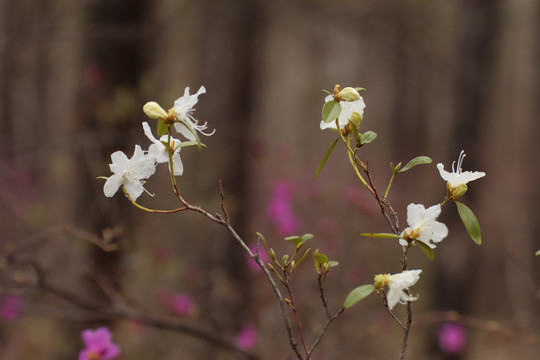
column 110, row 311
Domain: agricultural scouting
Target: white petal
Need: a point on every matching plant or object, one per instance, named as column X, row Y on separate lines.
column 432, row 212
column 444, row 174
column 470, row 176
column 112, row 185
column 148, row 133
column 178, row 166
column 134, row 189
column 159, row 152
column 119, row 162
column 182, row 129
column 415, row 215
column 434, row 231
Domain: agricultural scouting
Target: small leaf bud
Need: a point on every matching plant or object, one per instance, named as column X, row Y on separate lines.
column 356, row 118
column 154, row 111
column 348, row 94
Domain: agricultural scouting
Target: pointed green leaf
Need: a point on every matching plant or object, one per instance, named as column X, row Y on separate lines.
column 306, row 237
column 427, row 249
column 368, row 137
column 162, row 128
column 294, row 239
column 360, row 89
column 325, row 158
column 358, row 294
column 331, row 111
column 470, row 221
column 381, row 235
column 299, row 240
column 419, row 160
column 331, row 264
column 396, row 168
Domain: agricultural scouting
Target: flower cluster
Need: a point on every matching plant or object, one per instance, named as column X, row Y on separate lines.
column 132, row 173
column 344, row 110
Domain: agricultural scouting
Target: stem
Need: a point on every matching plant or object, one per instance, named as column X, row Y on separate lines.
column 389, row 185
column 406, row 331
column 295, row 313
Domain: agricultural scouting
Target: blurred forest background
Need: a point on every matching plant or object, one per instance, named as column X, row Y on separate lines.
column 441, row 76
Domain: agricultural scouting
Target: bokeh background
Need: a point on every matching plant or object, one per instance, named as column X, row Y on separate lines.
column 441, row 76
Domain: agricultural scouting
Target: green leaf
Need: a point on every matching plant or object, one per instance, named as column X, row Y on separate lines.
column 470, row 221
column 381, row 235
column 331, row 111
column 360, row 89
column 419, row 160
column 325, row 158
column 396, row 168
column 367, row 137
column 331, row 264
column 162, row 128
column 427, row 249
column 299, row 240
column 320, row 260
column 358, row 294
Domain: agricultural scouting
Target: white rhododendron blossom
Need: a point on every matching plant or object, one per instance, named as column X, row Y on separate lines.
column 160, row 152
column 423, row 225
column 347, row 108
column 129, row 172
column 183, row 108
column 458, row 177
column 397, row 284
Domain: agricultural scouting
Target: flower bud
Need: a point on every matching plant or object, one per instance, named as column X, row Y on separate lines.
column 381, row 281
column 154, row 111
column 348, row 94
column 457, row 191
column 356, row 118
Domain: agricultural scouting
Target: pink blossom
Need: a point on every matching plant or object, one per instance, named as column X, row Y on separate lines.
column 452, row 338
column 247, row 337
column 99, row 345
column 10, row 307
column 182, row 304
column 280, row 211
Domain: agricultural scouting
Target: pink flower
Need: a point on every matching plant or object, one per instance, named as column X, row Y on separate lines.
column 99, row 345
column 247, row 337
column 452, row 338
column 280, row 211
column 182, row 304
column 10, row 307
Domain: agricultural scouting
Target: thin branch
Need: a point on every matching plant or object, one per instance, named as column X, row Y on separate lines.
column 124, row 313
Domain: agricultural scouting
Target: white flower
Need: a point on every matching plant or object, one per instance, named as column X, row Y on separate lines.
column 347, row 108
column 458, row 177
column 423, row 226
column 160, row 152
column 397, row 284
column 129, row 172
column 183, row 108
